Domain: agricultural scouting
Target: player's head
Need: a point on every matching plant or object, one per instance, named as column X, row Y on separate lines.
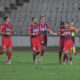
column 6, row 19
column 62, row 24
column 34, row 20
column 66, row 24
column 42, row 19
column 71, row 24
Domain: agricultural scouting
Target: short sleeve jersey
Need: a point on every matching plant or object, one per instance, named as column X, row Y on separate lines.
column 43, row 28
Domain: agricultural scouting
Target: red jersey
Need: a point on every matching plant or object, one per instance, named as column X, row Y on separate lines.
column 69, row 34
column 43, row 29
column 61, row 32
column 6, row 28
column 34, row 29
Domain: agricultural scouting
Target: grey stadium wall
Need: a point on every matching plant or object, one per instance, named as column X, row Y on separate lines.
column 25, row 41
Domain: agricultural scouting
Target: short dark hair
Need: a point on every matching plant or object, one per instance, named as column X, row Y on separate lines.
column 33, row 18
column 62, row 23
column 41, row 17
column 5, row 17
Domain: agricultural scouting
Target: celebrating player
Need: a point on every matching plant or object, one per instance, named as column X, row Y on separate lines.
column 68, row 43
column 34, row 38
column 44, row 28
column 61, row 42
column 6, row 31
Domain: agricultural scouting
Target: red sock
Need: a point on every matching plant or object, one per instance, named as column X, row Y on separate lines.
column 42, row 52
column 34, row 57
column 1, row 52
column 9, row 56
column 70, row 58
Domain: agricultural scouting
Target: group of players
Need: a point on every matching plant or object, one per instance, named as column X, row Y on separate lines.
column 38, row 39
column 67, row 43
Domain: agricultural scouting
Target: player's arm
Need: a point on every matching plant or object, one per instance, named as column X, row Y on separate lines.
column 51, row 32
column 13, row 32
column 77, row 30
column 31, row 34
column 29, row 31
column 56, row 34
column 5, row 33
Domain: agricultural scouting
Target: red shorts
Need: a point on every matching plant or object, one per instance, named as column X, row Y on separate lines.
column 35, row 44
column 43, row 40
column 68, row 46
column 6, row 43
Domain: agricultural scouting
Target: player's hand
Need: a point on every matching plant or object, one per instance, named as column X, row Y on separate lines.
column 33, row 34
column 64, row 34
column 14, row 32
column 8, row 33
column 50, row 31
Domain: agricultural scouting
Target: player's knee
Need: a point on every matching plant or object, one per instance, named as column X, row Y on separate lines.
column 10, row 49
column 34, row 52
column 44, row 48
column 65, row 52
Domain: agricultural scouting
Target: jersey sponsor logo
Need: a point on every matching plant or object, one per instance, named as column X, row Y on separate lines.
column 8, row 29
column 69, row 33
column 43, row 29
column 35, row 30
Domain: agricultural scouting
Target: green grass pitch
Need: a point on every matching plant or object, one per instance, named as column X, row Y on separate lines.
column 22, row 68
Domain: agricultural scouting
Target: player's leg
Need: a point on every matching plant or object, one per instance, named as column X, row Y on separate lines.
column 70, row 53
column 60, row 54
column 61, row 44
column 33, row 46
column 43, row 45
column 9, row 54
column 65, row 56
column 34, row 49
column 9, row 51
column 4, row 47
column 74, row 47
column 34, row 57
column 35, row 54
column 42, row 52
column 70, row 58
column 38, row 47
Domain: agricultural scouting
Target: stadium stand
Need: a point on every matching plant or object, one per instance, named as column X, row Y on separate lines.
column 55, row 11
